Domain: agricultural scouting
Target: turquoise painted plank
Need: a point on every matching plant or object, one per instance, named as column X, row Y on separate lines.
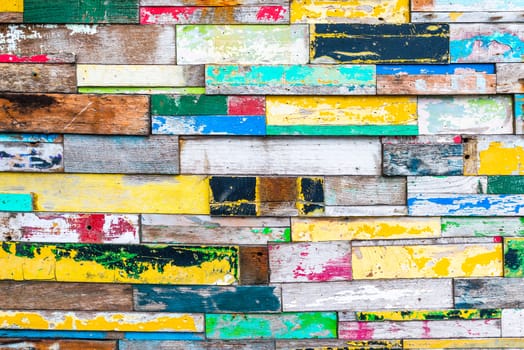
column 43, row 334
column 432, row 69
column 30, row 137
column 209, row 125
column 291, row 79
column 16, row 202
column 343, row 130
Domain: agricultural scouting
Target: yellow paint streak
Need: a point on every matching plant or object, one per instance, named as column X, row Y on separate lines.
column 498, row 159
column 488, row 343
column 427, row 261
column 112, row 193
column 341, row 110
column 364, row 228
column 12, row 6
column 422, row 314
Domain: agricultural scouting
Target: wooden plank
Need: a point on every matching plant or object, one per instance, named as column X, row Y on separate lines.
column 364, row 190
column 513, row 257
column 210, row 2
column 429, row 261
column 425, row 79
column 465, row 5
column 425, row 242
column 246, row 105
column 78, row 262
column 16, row 201
column 371, row 294
column 490, row 149
column 207, row 299
column 186, row 105
column 121, row 193
column 343, row 130
column 72, row 113
column 214, row 15
column 39, row 344
column 102, row 321
column 197, row 345
column 366, row 210
column 428, row 315
column 254, row 125
column 310, row 262
column 382, row 43
column 69, row 228
column 334, row 229
column 11, row 17
column 468, row 17
column 214, row 230
column 488, row 292
column 100, row 335
column 279, row 156
column 31, row 138
column 61, row 57
column 419, row 329
column 519, row 113
column 255, row 265
column 483, row 43
column 139, row 75
column 338, row 344
column 505, row 184
column 141, row 90
column 12, row 6
column 291, row 79
column 245, row 44
column 422, row 139
column 482, row 227
column 512, row 325
column 37, row 77
column 479, row 343
column 31, row 157
column 447, row 184
column 93, row 44
column 509, row 78
column 266, row 326
column 61, row 296
column 121, row 154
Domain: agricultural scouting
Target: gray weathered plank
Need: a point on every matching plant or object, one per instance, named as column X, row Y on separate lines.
column 364, row 190
column 510, row 78
column 468, row 17
column 482, row 227
column 447, row 184
column 366, row 210
column 37, row 77
column 495, row 292
column 196, row 345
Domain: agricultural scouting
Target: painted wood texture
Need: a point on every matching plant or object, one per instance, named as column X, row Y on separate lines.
column 72, row 113
column 11, row 17
column 505, row 184
column 207, row 299
column 93, row 44
column 447, row 184
column 338, row 344
column 488, row 292
column 60, row 57
column 246, row 44
column 69, row 228
column 485, row 153
column 281, row 326
column 133, row 90
column 12, row 6
column 37, row 77
column 16, row 201
column 100, row 335
column 255, row 265
column 364, row 190
column 207, row 105
column 428, row 315
column 366, row 210
column 465, row 5
column 482, row 227
column 121, row 193
column 384, row 43
column 121, row 154
column 39, row 344
column 77, row 262
column 468, row 17
column 246, row 125
column 512, row 325
column 519, row 113
column 509, row 78
column 210, row 2
column 513, row 257
column 479, row 343
column 31, row 157
column 277, row 156
column 199, row 345
column 291, row 79
column 265, row 14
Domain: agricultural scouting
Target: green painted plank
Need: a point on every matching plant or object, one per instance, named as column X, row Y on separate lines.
column 510, row 184
column 166, row 105
column 143, row 90
column 16, row 202
column 482, row 226
column 342, row 130
column 514, row 257
column 426, row 315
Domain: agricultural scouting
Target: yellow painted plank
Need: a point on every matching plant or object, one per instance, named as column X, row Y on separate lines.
column 489, row 159
column 427, row 261
column 348, row 11
column 112, row 193
column 330, row 229
column 341, row 110
column 12, row 6
column 486, row 343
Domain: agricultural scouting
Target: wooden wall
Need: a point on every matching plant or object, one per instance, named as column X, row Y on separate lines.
column 261, row 174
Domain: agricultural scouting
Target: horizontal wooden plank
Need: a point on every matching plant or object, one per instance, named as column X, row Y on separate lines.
column 468, row 17
column 210, row 2
column 189, row 105
column 488, row 292
column 428, row 315
column 11, row 17
column 255, row 265
column 479, row 343
column 101, row 335
column 506, row 184
column 197, row 345
column 291, row 79
column 61, row 57
column 512, row 323
column 78, row 262
column 422, row 139
column 509, row 77
column 39, row 344
column 16, row 201
column 37, row 77
column 12, row 6
column 133, row 90
column 361, row 295
column 425, row 241
column 383, row 43
column 482, row 226
column 279, row 326
column 32, row 138
column 447, row 184
column 247, row 125
column 366, row 210
column 31, row 157
column 338, row 344
column 61, row 296
column 513, row 257
column 207, row 299
column 213, row 230
column 465, row 5
column 487, row 151
column 342, row 130
column 279, row 156
column 364, row 190
column 94, row 44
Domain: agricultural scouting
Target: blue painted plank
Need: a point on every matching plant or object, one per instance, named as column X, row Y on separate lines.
column 163, row 336
column 43, row 334
column 209, row 125
column 432, row 69
column 29, row 137
column 20, row 202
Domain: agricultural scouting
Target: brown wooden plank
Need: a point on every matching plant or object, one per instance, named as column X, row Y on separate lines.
column 11, row 17
column 35, row 77
column 364, row 190
column 57, row 344
column 255, row 265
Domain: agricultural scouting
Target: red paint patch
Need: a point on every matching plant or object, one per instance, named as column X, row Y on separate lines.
column 457, row 139
column 362, row 332
column 120, row 227
column 497, row 239
column 271, row 13
column 90, row 227
column 166, row 14
column 333, row 270
column 7, row 58
column 246, row 105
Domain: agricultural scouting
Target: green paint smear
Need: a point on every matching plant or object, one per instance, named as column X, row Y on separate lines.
column 514, row 258
column 343, row 130
column 432, row 315
column 142, row 90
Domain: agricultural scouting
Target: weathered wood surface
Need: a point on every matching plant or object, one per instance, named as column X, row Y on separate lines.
column 427, row 315
column 31, row 157
column 121, row 193
column 512, row 325
column 16, row 201
column 207, row 299
column 366, row 210
column 255, row 265
column 291, row 79
column 488, row 292
column 246, row 44
column 338, row 344
column 73, row 113
column 519, row 113
column 213, row 230
column 266, row 326
column 69, row 228
column 65, row 296
column 11, row 17
column 468, row 17
column 488, row 150
column 261, row 14
column 197, row 345
column 465, row 205
column 482, row 227
column 510, row 78
column 457, row 79
column 211, row 2
column 207, row 105
column 94, row 44
column 39, row 344
column 479, row 343
column 31, row 138
column 77, row 262
column 37, row 77
column 465, row 5
column 384, row 43
column 310, row 262
column 133, row 90
column 279, row 156
column 331, row 229
column 101, row 335
column 364, row 190
column 121, row 154
column 456, row 241
column 447, row 184
column 252, row 125
column 12, row 6
column 514, row 257
column 139, row 75
column 506, row 184
column 482, row 43
column 61, row 57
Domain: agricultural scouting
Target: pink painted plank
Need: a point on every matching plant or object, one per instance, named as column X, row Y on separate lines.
column 43, row 58
column 246, row 105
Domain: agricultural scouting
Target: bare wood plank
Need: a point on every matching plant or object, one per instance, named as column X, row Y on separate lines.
column 447, row 184
column 468, row 17
column 69, row 344
column 510, row 78
column 255, row 265
column 37, row 77
column 11, row 17
column 31, row 157
column 488, row 292
column 364, row 190
column 421, row 140
column 366, row 210
column 197, row 345
column 512, row 325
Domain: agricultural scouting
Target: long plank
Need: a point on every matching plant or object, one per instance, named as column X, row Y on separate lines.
column 427, row 315
column 72, row 113
column 509, row 78
column 37, row 77
column 279, row 156
column 383, row 43
column 364, row 190
column 31, row 157
column 479, row 343
column 39, row 344
column 207, row 299
column 266, row 326
column 134, row 90
column 338, row 344
column 121, row 154
column 69, row 228
column 78, row 262
column 447, row 184
column 487, row 151
column 488, row 292
column 512, row 325
column 466, row 5
column 31, row 138
column 482, row 227
column 100, row 335
column 94, row 44
column 468, row 17
column 246, row 125
column 366, row 210
column 246, row 44
column 291, row 79
column 16, row 202
column 197, row 345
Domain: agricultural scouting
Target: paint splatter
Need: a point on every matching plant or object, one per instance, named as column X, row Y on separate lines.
column 271, row 13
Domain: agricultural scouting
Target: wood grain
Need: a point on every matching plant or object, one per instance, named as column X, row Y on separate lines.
column 37, row 77
column 479, row 343
column 255, row 265
column 11, row 17
column 488, row 151
column 447, row 184
column 31, row 157
column 199, row 345
column 463, row 5
column 468, row 17
column 492, row 292
column 512, row 323
column 320, row 344
column 364, row 190
column 482, row 227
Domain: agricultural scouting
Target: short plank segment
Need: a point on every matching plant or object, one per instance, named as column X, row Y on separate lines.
column 512, row 325
column 37, row 77
column 12, row 6
column 255, row 265
column 447, row 184
column 482, row 227
column 490, row 149
column 506, row 184
column 40, row 344
column 509, row 78
column 338, row 344
column 488, row 292
column 468, row 17
column 364, row 190
column 246, row 125
column 384, row 43
column 519, row 113
column 197, row 345
column 16, row 202
column 61, row 57
column 189, row 105
column 513, row 257
column 77, row 262
column 429, row 315
column 464, row 5
column 279, row 326
column 366, row 210
column 72, row 113
column 31, row 157
column 479, row 343
column 11, row 17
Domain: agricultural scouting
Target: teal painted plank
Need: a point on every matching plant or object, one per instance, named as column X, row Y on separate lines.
column 431, row 69
column 188, row 105
column 300, row 325
column 16, row 202
column 30, row 138
column 343, row 130
column 254, row 125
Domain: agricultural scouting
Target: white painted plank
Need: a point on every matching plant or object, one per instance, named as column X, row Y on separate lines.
column 513, row 322
column 366, row 210
column 468, row 17
column 447, row 184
